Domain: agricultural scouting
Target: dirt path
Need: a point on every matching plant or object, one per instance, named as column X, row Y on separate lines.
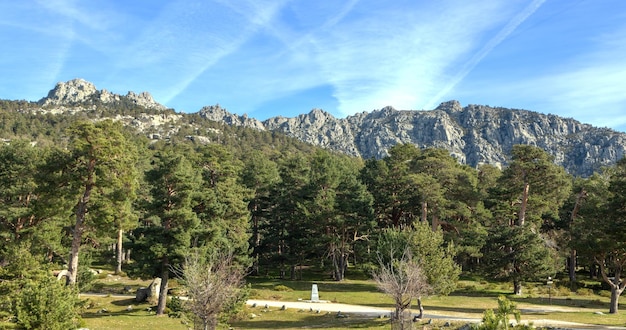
column 377, row 312
column 329, row 307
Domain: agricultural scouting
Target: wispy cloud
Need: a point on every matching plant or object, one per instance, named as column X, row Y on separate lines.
column 186, row 40
column 486, row 49
column 588, row 87
column 401, row 57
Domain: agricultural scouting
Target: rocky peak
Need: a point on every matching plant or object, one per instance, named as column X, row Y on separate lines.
column 450, row 106
column 475, row 134
column 145, row 100
column 78, row 91
column 219, row 114
column 73, row 91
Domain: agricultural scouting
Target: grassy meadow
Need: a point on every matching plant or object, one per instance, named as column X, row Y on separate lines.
column 114, row 307
column 472, row 297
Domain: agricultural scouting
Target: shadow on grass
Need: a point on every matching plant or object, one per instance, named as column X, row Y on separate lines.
column 564, row 302
column 316, row 321
column 328, row 286
column 466, row 310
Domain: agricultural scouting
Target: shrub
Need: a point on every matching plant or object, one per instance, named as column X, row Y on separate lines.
column 47, row 304
column 499, row 319
column 282, row 288
column 585, row 292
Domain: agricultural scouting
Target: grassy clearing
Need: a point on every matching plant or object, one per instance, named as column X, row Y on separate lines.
column 472, row 297
column 112, row 312
column 292, row 319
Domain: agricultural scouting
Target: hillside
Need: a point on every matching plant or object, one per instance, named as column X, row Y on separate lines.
column 474, row 134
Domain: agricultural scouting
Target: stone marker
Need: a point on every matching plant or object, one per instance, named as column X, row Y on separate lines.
column 314, row 293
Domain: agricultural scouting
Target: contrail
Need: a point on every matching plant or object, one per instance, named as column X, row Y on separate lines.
column 495, row 41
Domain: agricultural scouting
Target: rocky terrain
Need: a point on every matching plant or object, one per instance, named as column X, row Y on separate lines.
column 473, row 134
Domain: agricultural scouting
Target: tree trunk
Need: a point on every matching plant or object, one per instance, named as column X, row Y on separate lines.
column 77, row 237
column 522, row 210
column 210, row 323
column 572, row 256
column 165, row 274
column 571, row 266
column 119, row 252
column 517, row 287
column 79, row 226
column 424, row 212
column 77, row 233
column 615, row 293
column 420, row 307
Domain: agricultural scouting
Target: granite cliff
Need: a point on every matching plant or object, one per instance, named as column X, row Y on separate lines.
column 474, row 134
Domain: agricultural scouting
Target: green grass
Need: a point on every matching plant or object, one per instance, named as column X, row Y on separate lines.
column 472, row 297
column 292, row 319
column 110, row 312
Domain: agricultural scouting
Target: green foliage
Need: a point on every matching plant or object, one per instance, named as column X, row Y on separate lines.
column 435, row 257
column 47, row 304
column 283, row 288
column 598, row 232
column 518, row 254
column 500, row 318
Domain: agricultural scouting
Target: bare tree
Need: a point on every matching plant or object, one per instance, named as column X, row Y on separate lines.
column 403, row 279
column 212, row 282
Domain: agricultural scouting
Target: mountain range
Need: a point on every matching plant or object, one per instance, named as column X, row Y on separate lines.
column 473, row 134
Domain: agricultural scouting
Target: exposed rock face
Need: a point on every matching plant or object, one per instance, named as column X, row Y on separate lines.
column 73, row 91
column 216, row 113
column 78, row 91
column 474, row 134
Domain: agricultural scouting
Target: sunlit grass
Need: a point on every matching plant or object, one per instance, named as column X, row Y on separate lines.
column 470, row 300
column 111, row 312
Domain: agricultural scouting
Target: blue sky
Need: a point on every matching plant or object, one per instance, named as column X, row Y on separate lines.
column 281, row 57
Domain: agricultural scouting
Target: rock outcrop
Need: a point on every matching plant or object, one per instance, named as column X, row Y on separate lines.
column 80, row 91
column 217, row 113
column 474, row 134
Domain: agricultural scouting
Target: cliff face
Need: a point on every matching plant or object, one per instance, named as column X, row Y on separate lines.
column 474, row 134
column 79, row 91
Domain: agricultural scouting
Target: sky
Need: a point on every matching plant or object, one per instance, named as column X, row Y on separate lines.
column 267, row 58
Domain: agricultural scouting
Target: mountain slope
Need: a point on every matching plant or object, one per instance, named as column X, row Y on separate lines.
column 474, row 134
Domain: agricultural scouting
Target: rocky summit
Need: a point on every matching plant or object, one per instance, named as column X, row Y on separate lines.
column 79, row 91
column 474, row 134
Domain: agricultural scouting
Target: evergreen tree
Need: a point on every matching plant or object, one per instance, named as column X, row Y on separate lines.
column 531, row 189
column 166, row 236
column 598, row 231
column 260, row 174
column 98, row 167
column 221, row 203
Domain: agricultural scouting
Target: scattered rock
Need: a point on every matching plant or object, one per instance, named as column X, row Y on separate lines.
column 151, row 293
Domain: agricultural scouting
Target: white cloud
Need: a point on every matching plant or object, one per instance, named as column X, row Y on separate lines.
column 401, row 56
column 588, row 87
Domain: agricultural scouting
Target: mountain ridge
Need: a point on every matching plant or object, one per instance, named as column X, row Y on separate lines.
column 474, row 134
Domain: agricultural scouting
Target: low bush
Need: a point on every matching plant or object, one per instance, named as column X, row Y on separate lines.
column 282, row 288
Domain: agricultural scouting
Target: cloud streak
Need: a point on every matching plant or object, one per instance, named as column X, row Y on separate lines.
column 353, row 56
column 486, row 49
column 401, row 58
